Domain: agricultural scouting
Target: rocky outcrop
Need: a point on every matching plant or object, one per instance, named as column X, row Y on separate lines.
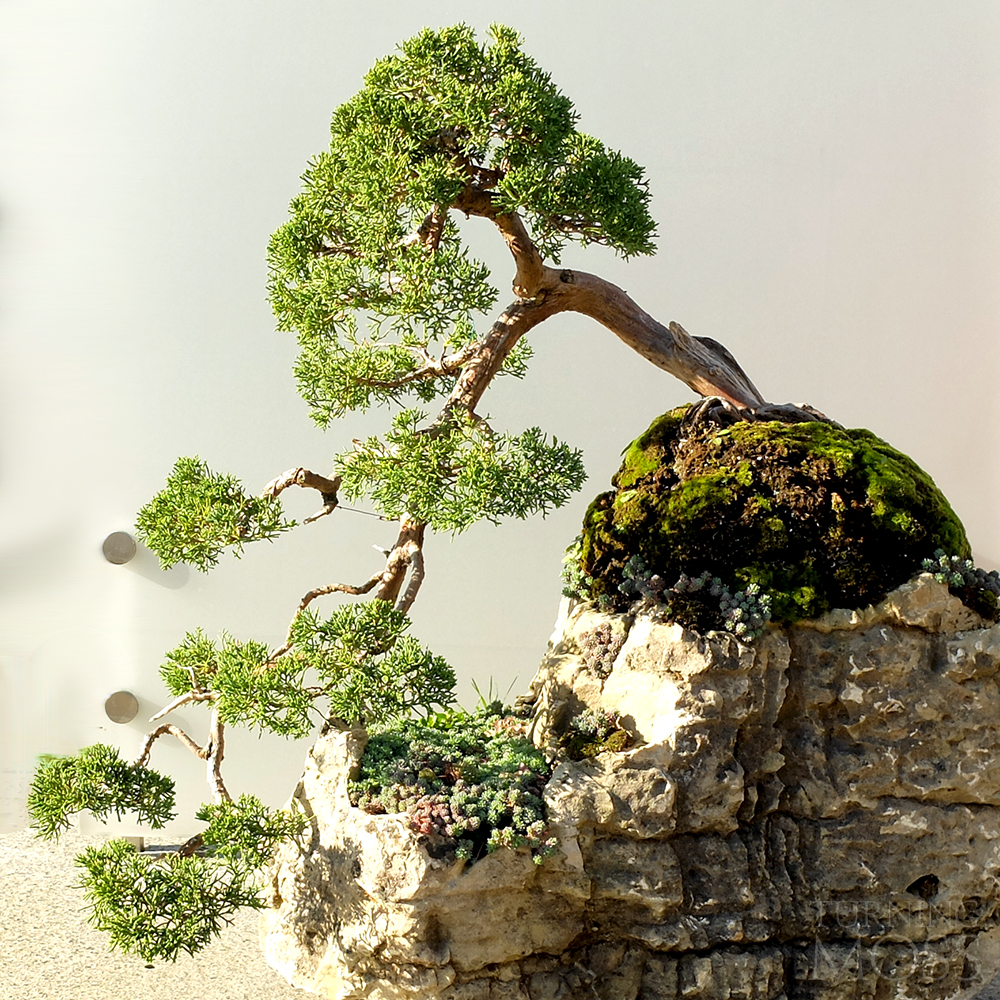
column 813, row 815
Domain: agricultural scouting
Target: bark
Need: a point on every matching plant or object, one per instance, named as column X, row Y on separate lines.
column 175, row 731
column 216, row 750
column 700, row 362
column 184, row 699
column 409, row 544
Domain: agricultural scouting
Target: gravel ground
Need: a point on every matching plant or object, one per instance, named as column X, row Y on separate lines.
column 49, row 952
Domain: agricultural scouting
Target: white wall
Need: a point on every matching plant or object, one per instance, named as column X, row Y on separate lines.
column 825, row 177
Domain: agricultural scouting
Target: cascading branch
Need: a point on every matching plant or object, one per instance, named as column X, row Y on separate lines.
column 371, row 274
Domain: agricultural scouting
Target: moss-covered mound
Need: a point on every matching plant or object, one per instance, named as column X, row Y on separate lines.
column 816, row 515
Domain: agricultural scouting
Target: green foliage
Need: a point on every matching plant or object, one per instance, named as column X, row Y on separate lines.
column 369, row 240
column 246, row 833
column 98, row 781
column 471, row 785
column 368, row 669
column 200, row 512
column 158, row 907
column 460, row 472
column 357, row 665
column 254, row 690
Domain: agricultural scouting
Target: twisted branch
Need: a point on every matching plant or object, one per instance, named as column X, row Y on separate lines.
column 215, row 750
column 184, row 699
column 168, row 727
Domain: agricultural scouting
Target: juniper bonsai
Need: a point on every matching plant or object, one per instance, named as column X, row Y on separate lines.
column 371, row 274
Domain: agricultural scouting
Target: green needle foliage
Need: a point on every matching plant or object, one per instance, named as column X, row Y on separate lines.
column 158, row 906
column 369, row 670
column 443, row 115
column 357, row 665
column 201, row 512
column 246, row 832
column 459, row 472
column 98, row 781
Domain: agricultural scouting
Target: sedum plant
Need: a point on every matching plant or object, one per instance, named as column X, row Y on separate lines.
column 372, row 276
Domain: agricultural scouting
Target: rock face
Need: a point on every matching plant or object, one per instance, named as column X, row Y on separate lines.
column 813, row 815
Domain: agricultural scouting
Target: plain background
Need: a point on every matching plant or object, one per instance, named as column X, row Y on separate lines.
column 825, row 177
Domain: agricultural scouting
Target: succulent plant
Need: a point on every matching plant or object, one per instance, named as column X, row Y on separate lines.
column 978, row 588
column 701, row 602
column 473, row 781
column 601, row 645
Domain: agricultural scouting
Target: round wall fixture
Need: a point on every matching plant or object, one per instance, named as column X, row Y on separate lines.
column 121, row 707
column 118, row 547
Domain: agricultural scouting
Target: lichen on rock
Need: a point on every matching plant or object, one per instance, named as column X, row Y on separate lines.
column 816, row 516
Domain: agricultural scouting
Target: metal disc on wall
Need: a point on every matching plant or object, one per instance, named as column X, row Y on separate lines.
column 118, row 547
column 121, row 707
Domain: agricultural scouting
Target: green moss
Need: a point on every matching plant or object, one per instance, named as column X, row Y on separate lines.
column 817, row 515
column 644, row 456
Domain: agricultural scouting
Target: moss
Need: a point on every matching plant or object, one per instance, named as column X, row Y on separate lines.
column 817, row 515
column 579, row 746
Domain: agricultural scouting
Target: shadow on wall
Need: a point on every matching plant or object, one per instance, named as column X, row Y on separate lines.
column 146, row 565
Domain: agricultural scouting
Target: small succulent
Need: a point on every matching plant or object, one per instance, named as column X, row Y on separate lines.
column 640, row 584
column 475, row 785
column 701, row 602
column 978, row 588
column 600, row 647
column 595, row 723
column 594, row 731
column 957, row 572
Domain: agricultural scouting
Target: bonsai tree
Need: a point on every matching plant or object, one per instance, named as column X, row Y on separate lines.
column 371, row 274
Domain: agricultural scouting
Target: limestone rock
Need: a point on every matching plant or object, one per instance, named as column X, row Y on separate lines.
column 814, row 815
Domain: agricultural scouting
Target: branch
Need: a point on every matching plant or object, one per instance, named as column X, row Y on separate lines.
column 333, row 588
column 409, row 541
column 416, row 578
column 303, row 477
column 529, row 263
column 215, row 750
column 700, row 362
column 168, row 727
column 429, row 231
column 183, row 700
column 313, row 480
column 446, row 365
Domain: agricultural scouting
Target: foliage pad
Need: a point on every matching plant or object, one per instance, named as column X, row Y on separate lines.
column 201, row 512
column 157, row 906
column 357, row 665
column 98, row 781
column 354, row 272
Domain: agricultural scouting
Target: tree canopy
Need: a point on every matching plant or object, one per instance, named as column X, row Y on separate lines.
column 370, row 270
